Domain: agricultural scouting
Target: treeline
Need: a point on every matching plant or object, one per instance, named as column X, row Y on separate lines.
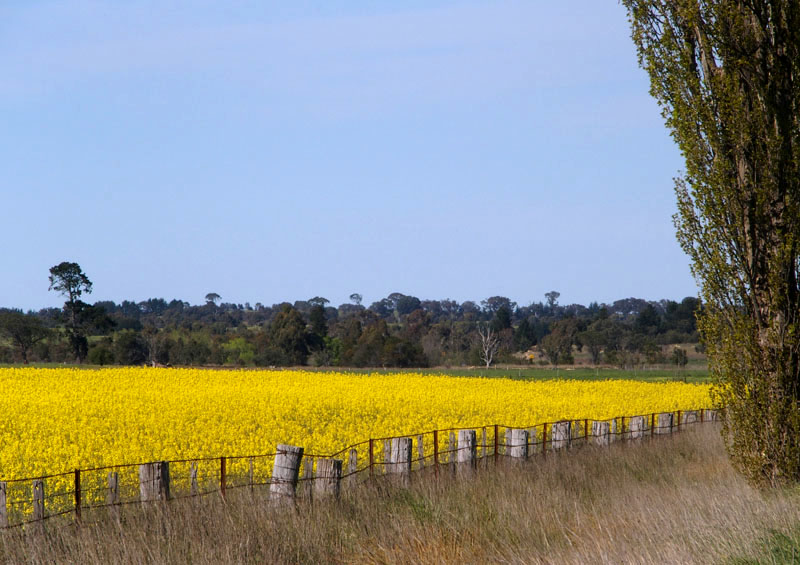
column 396, row 331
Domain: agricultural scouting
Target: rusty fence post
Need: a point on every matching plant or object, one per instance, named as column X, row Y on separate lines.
column 77, row 495
column 652, row 423
column 223, row 476
column 436, row 452
column 371, row 457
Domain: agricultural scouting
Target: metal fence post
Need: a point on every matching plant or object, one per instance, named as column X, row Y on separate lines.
column 77, row 495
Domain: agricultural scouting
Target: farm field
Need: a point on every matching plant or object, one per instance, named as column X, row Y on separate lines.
column 57, row 420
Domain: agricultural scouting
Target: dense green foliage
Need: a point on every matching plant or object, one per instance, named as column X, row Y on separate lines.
column 727, row 75
column 397, row 331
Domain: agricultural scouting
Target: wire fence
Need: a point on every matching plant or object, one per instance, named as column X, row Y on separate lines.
column 289, row 471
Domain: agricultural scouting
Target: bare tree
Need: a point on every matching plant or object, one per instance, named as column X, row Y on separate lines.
column 489, row 343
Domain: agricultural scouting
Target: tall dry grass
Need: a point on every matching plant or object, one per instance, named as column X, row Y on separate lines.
column 673, row 500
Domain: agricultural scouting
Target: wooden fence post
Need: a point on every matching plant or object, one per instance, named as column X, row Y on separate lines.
column 328, row 477
column 664, row 423
column 544, row 439
column 400, row 456
column 452, row 452
column 637, row 427
column 387, row 455
column 352, row 466
column 3, row 505
column 483, row 442
column 517, row 446
column 600, row 433
column 421, row 451
column 308, row 478
column 154, row 481
column 496, row 442
column 561, row 434
column 194, row 489
column 285, row 473
column 112, row 495
column 38, row 500
column 467, row 451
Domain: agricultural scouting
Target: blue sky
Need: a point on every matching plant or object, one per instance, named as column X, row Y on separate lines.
column 278, row 151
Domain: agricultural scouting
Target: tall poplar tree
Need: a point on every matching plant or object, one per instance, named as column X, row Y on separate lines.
column 727, row 76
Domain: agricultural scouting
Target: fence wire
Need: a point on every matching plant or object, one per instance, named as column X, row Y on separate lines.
column 28, row 501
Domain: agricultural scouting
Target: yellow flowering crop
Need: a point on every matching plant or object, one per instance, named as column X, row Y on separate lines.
column 56, row 420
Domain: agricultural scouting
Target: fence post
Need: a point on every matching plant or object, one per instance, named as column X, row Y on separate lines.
column 112, row 495
column 679, row 420
column 352, row 465
column 285, row 473
column 622, row 429
column 600, row 432
column 154, row 481
column 496, row 442
column 194, row 489
column 452, row 451
column 38, row 500
column 436, row 452
column 562, row 434
column 665, row 420
column 637, row 427
column 308, row 477
column 387, row 455
column 371, row 457
column 652, row 424
column 223, row 476
column 3, row 505
column 328, row 477
column 544, row 440
column 467, row 451
column 483, row 442
column 77, row 495
column 421, row 451
column 400, row 456
column 251, row 473
column 517, row 447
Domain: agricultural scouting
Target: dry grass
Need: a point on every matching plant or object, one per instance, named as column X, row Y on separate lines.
column 674, row 500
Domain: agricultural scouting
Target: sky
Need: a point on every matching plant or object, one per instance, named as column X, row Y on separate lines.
column 277, row 151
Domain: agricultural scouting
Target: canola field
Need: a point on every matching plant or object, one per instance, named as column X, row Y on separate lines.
column 57, row 420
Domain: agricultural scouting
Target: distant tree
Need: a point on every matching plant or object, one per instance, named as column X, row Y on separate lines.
column 129, row 348
column 494, row 303
column 213, row 298
column 406, row 304
column 488, row 343
column 23, row 330
column 69, row 280
column 356, row 298
column 552, row 298
column 502, row 319
column 287, row 332
column 679, row 357
column 594, row 340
